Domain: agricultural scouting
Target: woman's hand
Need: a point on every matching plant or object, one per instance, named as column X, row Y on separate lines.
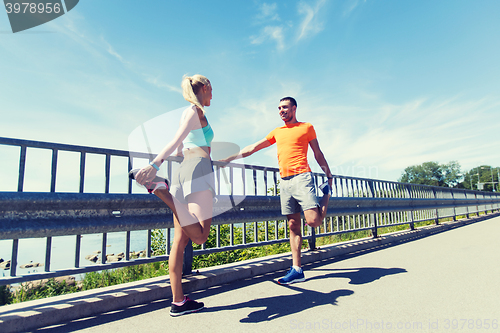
column 145, row 175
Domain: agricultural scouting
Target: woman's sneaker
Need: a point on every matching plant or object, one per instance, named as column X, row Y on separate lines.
column 188, row 307
column 156, row 184
column 292, row 276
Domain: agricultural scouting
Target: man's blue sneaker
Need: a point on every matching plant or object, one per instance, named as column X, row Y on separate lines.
column 325, row 188
column 292, row 276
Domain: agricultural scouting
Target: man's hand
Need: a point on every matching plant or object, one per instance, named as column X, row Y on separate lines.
column 224, row 162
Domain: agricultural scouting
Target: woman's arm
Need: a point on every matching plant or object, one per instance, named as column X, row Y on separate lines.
column 187, row 124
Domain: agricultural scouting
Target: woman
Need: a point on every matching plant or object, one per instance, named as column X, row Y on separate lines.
column 192, row 186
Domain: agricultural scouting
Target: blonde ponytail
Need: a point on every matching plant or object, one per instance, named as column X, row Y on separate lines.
column 191, row 86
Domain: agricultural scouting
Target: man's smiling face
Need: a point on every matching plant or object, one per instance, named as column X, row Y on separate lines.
column 286, row 111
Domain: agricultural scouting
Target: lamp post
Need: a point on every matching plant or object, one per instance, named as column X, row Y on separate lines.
column 478, row 181
column 492, row 182
column 498, row 179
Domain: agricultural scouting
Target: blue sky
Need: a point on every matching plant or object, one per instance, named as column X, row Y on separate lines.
column 387, row 84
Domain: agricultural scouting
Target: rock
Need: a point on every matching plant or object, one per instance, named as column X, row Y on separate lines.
column 34, row 284
column 31, row 265
column 70, row 280
column 113, row 258
column 92, row 257
column 5, row 264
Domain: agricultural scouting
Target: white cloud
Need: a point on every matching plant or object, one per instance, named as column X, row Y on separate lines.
column 350, row 6
column 270, row 33
column 311, row 24
column 380, row 142
column 113, row 52
column 268, row 12
column 160, row 84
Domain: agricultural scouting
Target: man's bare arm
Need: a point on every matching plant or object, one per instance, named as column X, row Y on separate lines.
column 248, row 150
column 320, row 158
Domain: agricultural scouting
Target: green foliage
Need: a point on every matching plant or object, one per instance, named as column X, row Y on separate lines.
column 271, row 189
column 220, row 258
column 112, row 277
column 320, row 241
column 432, row 173
column 5, row 295
column 483, row 174
column 31, row 291
column 158, row 242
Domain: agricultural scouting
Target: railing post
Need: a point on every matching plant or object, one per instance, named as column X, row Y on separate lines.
column 187, row 266
column 454, row 208
column 53, row 171
column 412, row 224
column 468, row 214
column 312, row 239
column 477, row 206
column 244, row 232
column 436, row 219
column 78, row 250
column 127, row 245
column 255, row 181
column 373, row 217
column 48, row 252
column 107, row 173
column 22, row 169
column 13, row 261
column 82, row 172
column 103, row 247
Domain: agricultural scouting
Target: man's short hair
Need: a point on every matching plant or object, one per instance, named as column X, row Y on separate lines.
column 291, row 99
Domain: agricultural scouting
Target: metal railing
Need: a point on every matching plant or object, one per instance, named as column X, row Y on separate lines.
column 357, row 204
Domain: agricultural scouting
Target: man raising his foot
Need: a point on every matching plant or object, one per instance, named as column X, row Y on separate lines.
column 297, row 189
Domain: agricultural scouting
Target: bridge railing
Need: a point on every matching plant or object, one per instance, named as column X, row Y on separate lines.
column 357, row 204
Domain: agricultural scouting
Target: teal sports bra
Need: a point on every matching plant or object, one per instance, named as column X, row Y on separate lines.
column 200, row 137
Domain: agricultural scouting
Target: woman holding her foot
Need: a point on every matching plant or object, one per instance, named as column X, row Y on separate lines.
column 192, row 186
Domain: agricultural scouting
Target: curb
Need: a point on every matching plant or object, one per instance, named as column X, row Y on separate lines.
column 30, row 315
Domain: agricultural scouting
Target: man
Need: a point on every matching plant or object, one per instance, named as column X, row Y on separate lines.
column 297, row 189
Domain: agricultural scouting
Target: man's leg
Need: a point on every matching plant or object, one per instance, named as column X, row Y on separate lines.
column 315, row 216
column 295, row 274
column 324, row 205
column 294, row 224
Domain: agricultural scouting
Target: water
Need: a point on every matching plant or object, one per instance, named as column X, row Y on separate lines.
column 63, row 250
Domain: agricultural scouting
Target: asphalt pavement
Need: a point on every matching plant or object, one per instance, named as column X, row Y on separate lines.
column 444, row 282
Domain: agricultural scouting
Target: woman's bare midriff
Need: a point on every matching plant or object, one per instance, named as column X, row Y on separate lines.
column 196, row 152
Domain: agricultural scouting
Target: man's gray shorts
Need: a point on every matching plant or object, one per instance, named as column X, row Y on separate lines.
column 298, row 193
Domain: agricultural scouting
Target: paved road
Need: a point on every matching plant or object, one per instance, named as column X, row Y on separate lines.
column 447, row 282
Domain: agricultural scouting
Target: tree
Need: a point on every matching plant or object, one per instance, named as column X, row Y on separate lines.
column 452, row 173
column 483, row 174
column 432, row 173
